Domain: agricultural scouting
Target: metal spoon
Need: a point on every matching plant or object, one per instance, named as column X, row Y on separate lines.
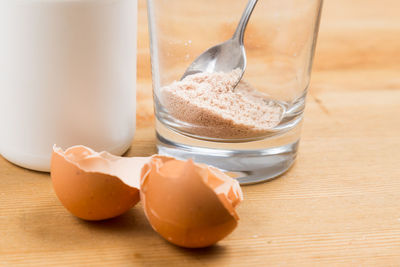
column 226, row 56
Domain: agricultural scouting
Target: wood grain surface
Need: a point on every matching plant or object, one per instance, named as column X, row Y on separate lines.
column 339, row 205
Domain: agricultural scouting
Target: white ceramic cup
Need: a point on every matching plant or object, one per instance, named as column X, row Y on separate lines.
column 67, row 77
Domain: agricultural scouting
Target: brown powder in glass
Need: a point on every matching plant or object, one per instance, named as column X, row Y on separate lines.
column 210, row 103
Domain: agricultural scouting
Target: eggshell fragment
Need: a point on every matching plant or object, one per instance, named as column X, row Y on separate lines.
column 95, row 186
column 190, row 205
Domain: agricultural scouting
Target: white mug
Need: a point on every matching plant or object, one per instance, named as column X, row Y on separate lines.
column 67, row 77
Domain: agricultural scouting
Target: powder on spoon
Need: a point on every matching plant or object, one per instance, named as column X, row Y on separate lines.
column 216, row 109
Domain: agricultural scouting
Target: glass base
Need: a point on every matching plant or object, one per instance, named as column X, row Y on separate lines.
column 247, row 166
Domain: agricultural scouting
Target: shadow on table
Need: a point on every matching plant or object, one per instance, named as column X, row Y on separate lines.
column 132, row 221
column 54, row 228
column 214, row 251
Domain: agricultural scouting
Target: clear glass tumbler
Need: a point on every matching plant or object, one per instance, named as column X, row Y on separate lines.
column 251, row 131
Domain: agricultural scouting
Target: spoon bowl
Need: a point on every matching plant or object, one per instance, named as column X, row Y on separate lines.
column 226, row 56
column 223, row 57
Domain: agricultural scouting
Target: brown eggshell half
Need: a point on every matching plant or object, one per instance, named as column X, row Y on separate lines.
column 190, row 205
column 95, row 186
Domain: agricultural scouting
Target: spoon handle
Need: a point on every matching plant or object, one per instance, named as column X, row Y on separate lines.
column 239, row 33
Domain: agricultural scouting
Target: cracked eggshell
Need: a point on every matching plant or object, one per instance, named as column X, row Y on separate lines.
column 190, row 205
column 95, row 186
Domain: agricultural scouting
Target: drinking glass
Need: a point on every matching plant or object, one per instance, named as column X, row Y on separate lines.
column 280, row 42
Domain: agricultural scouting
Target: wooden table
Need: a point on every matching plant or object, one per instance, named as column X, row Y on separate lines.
column 339, row 204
